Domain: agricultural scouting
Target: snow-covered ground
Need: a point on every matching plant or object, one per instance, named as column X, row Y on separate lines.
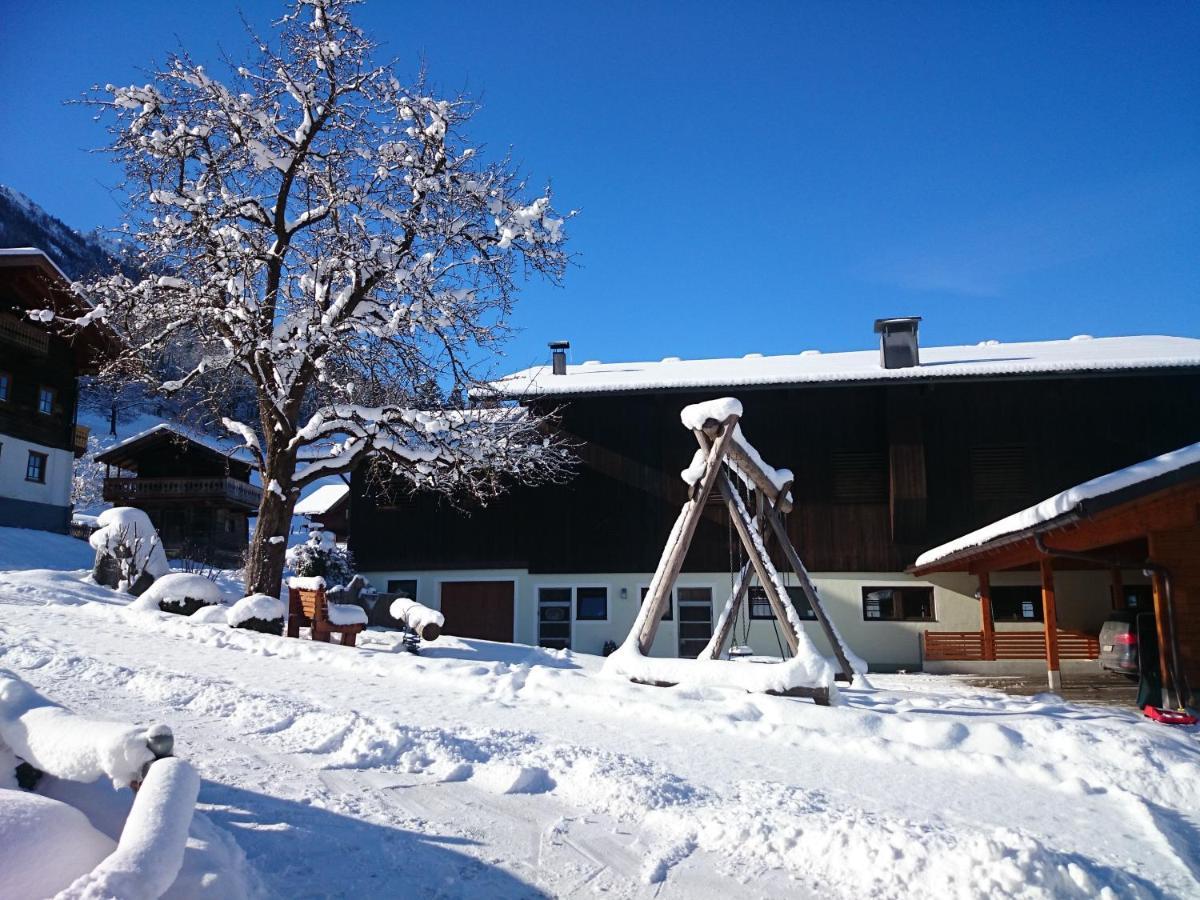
column 494, row 770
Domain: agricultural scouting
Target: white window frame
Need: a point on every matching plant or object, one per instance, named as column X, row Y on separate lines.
column 537, row 612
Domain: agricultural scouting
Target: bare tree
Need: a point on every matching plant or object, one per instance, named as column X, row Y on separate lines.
column 314, row 228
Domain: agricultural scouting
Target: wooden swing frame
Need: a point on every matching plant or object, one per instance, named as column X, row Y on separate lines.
column 718, row 440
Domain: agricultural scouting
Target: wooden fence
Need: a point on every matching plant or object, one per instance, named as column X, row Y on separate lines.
column 974, row 645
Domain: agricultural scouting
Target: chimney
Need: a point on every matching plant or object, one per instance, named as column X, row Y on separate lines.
column 558, row 356
column 898, row 347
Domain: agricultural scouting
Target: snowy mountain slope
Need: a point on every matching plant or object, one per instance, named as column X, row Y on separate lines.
column 481, row 769
column 25, row 224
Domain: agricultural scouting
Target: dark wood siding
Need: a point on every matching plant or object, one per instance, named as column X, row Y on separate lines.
column 616, row 513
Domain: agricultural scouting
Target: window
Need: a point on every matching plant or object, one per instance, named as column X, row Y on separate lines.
column 5, row 387
column 670, row 613
column 897, row 604
column 46, row 400
column 35, row 469
column 403, row 587
column 1017, row 604
column 860, row 476
column 554, row 618
column 695, row 620
column 591, row 604
column 760, row 606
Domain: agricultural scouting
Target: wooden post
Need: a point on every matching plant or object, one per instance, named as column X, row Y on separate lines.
column 673, row 554
column 1158, row 587
column 810, row 593
column 1050, row 614
column 762, row 565
column 728, row 616
column 1118, row 589
column 987, row 626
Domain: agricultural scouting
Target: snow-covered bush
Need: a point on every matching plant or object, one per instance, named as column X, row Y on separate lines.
column 257, row 612
column 87, row 479
column 321, row 556
column 129, row 554
column 179, row 592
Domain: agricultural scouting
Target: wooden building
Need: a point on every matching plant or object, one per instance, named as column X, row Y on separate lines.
column 889, row 460
column 197, row 493
column 328, row 507
column 1146, row 516
column 39, row 439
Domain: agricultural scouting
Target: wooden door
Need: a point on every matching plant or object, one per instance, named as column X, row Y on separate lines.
column 478, row 609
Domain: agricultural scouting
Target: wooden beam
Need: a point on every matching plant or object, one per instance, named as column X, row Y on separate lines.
column 1159, row 589
column 987, row 624
column 1050, row 617
column 671, row 562
column 761, row 482
column 728, row 617
column 762, row 565
column 810, row 593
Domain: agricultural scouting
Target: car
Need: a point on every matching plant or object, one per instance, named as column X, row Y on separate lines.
column 1119, row 642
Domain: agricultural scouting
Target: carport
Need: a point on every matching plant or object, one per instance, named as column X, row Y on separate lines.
column 1145, row 517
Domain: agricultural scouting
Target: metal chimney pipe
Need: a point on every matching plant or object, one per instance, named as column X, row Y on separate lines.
column 558, row 356
column 898, row 347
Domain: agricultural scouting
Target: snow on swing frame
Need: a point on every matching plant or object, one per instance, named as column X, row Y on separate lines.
column 807, row 673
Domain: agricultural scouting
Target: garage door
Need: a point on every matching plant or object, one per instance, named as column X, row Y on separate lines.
column 478, row 609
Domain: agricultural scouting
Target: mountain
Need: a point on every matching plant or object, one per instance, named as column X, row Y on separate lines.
column 25, row 224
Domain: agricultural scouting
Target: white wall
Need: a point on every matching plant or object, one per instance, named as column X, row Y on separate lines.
column 14, row 456
column 1083, row 601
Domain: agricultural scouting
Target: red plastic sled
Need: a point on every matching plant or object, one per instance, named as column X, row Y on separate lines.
column 1168, row 716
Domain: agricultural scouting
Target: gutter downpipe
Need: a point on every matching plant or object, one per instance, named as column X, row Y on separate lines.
column 1149, row 569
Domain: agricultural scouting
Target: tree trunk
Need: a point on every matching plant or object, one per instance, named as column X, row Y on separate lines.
column 265, row 561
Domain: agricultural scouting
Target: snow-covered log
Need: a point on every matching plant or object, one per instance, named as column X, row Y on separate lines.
column 70, row 746
column 424, row 621
column 150, row 852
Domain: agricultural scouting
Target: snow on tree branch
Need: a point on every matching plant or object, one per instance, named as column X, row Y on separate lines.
column 312, row 227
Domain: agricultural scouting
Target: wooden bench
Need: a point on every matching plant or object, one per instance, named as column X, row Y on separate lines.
column 309, row 607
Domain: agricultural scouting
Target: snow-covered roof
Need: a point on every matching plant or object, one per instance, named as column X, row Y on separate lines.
column 1053, row 509
column 322, row 500
column 1082, row 353
column 34, row 251
column 224, row 448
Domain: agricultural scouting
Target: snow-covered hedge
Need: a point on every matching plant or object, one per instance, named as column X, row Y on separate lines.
column 257, row 612
column 129, row 554
column 179, row 592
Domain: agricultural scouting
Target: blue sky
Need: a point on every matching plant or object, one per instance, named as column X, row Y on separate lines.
column 757, row 177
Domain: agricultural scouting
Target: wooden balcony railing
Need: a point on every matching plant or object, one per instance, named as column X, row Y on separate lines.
column 974, row 645
column 81, row 438
column 24, row 334
column 226, row 490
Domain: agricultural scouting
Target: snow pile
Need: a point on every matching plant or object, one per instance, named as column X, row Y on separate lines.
column 1066, row 501
column 424, row 621
column 345, row 614
column 73, row 747
column 776, row 677
column 44, row 845
column 255, row 606
column 306, row 583
column 25, row 548
column 696, row 469
column 176, row 588
column 697, row 414
column 150, row 852
column 321, row 500
column 209, row 615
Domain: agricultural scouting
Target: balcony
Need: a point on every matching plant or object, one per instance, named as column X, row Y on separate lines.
column 216, row 490
column 80, row 440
